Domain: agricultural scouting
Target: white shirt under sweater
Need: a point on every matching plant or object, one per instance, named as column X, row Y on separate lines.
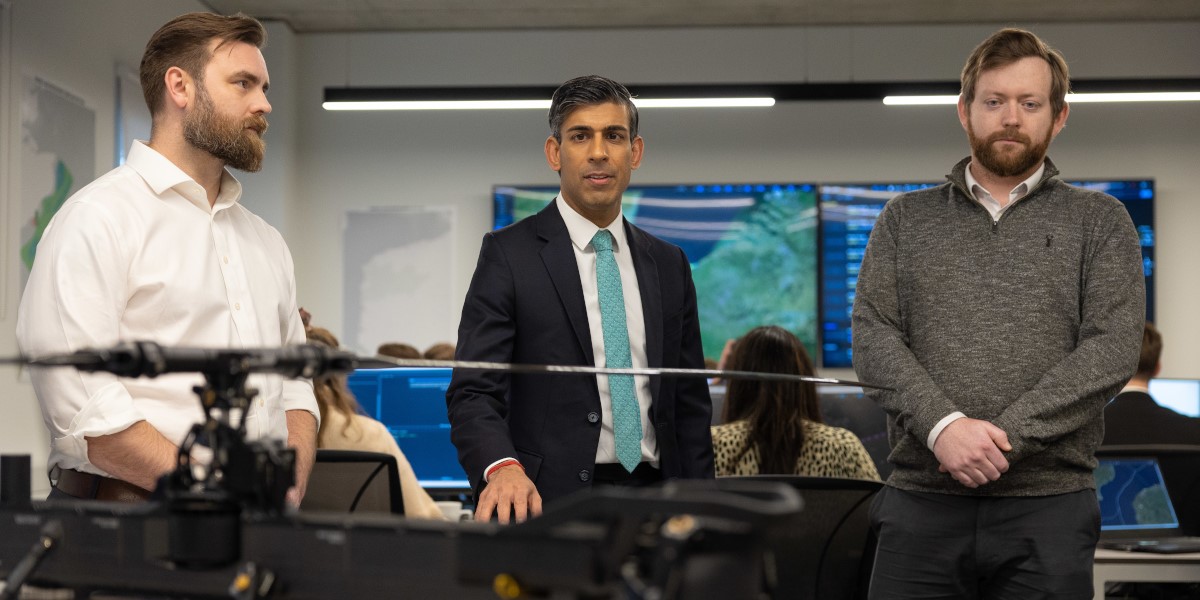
column 139, row 255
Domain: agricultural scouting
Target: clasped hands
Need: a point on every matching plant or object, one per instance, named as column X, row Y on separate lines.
column 972, row 451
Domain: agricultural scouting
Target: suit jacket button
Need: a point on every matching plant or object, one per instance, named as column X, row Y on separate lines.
column 593, row 417
column 584, row 475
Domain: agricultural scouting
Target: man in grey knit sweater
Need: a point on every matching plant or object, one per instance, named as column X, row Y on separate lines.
column 1005, row 308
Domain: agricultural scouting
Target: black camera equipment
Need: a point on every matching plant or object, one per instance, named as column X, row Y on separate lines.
column 204, row 503
column 220, row 530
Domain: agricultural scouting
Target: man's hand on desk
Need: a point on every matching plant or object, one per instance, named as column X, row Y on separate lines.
column 510, row 495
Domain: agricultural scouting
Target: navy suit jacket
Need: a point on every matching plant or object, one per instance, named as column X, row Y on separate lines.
column 526, row 305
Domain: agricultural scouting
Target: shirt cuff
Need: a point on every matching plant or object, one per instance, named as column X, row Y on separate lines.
column 298, row 395
column 937, row 429
column 489, row 467
column 109, row 410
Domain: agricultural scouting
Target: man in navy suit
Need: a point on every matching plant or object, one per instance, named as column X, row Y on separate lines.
column 535, row 298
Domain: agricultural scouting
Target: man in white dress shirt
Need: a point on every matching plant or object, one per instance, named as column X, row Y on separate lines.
column 160, row 249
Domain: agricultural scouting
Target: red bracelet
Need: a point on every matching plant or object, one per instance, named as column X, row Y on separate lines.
column 501, row 464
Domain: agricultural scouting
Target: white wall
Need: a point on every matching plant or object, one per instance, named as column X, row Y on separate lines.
column 355, row 160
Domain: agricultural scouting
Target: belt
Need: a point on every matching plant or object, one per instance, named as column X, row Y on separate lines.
column 615, row 473
column 87, row 486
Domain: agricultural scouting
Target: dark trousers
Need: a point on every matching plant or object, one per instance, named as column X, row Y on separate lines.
column 962, row 547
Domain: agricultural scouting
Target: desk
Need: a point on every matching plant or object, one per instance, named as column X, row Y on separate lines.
column 1118, row 565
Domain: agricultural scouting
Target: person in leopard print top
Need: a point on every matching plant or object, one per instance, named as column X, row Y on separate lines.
column 774, row 427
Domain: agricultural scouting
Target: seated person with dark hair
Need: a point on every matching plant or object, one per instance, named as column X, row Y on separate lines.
column 774, row 427
column 344, row 427
column 1133, row 417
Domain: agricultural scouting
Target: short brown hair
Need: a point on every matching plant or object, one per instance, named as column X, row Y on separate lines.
column 439, row 351
column 398, row 350
column 1007, row 46
column 1151, row 351
column 183, row 42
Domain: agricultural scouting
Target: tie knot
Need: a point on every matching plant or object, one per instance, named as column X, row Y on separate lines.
column 602, row 241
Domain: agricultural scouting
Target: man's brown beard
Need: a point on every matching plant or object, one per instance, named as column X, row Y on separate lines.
column 1004, row 164
column 224, row 138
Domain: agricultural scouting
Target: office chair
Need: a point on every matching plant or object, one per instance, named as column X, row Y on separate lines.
column 828, row 550
column 354, row 481
column 1180, row 464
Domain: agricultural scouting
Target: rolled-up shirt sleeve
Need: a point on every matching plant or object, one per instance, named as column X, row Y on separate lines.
column 73, row 300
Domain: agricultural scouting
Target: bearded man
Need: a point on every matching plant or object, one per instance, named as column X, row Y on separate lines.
column 160, row 249
column 1005, row 308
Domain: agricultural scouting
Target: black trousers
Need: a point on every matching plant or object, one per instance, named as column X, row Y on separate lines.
column 962, row 547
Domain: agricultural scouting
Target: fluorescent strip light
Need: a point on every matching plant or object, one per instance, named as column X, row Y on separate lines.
column 1071, row 98
column 703, row 102
column 437, row 105
column 539, row 104
column 1136, row 97
column 919, row 100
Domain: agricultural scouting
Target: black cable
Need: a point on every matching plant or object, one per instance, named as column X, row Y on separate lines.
column 51, row 535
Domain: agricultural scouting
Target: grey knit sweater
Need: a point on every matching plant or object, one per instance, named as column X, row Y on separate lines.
column 1032, row 323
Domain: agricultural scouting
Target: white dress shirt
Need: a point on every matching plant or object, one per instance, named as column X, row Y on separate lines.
column 139, row 255
column 582, row 231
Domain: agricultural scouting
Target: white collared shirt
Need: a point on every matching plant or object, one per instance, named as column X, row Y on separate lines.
column 138, row 254
column 990, row 203
column 581, row 231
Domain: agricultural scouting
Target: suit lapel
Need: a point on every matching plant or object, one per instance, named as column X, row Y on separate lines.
column 559, row 258
column 651, row 293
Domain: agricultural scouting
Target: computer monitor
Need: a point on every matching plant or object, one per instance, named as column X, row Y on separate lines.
column 1133, row 496
column 411, row 403
column 1179, row 395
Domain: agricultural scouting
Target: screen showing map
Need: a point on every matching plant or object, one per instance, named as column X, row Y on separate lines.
column 1133, row 495
column 752, row 248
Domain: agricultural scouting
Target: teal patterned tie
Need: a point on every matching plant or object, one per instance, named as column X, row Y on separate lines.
column 627, row 416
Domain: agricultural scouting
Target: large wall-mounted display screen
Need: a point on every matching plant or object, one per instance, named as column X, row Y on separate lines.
column 752, row 247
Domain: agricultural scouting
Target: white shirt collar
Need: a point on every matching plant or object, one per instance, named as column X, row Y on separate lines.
column 161, row 175
column 582, row 230
column 1013, row 194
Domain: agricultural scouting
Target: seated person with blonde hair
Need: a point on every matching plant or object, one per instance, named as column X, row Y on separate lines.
column 343, row 427
column 774, row 427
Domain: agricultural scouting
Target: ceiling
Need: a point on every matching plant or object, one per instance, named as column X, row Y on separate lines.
column 313, row 16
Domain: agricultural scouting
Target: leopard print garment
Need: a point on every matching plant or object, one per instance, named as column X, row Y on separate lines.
column 828, row 452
